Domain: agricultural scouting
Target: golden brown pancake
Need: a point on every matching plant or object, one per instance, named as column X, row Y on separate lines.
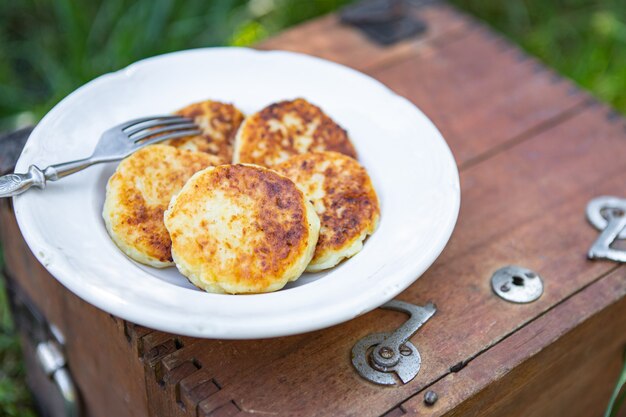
column 344, row 199
column 288, row 128
column 137, row 195
column 241, row 229
column 218, row 122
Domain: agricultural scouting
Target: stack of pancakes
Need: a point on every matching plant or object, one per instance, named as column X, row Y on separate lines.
column 249, row 204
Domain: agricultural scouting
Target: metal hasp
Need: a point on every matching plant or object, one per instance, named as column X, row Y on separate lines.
column 383, row 21
column 517, row 284
column 54, row 364
column 383, row 358
column 607, row 214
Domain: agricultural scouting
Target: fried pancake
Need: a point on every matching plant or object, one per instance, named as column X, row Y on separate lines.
column 218, row 122
column 344, row 199
column 241, row 229
column 137, row 195
column 287, row 128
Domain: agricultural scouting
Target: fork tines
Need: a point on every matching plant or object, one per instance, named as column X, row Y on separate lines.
column 158, row 128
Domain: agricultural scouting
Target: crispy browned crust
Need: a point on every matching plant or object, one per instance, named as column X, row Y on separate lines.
column 139, row 192
column 343, row 196
column 251, row 227
column 219, row 123
column 289, row 128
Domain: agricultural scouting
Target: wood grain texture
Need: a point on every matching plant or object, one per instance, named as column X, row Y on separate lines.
column 532, row 151
column 564, row 363
column 482, row 93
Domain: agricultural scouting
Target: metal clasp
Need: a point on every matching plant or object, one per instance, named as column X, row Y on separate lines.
column 383, row 21
column 54, row 364
column 607, row 214
column 379, row 357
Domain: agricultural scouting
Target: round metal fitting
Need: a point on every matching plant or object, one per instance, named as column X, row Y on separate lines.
column 430, row 398
column 405, row 369
column 597, row 208
column 390, row 358
column 517, row 284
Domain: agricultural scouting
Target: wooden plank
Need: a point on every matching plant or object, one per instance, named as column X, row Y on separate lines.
column 103, row 364
column 564, row 363
column 481, row 94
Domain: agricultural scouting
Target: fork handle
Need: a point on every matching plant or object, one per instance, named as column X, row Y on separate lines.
column 14, row 184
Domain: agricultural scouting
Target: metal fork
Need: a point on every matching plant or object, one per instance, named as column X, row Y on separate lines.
column 114, row 144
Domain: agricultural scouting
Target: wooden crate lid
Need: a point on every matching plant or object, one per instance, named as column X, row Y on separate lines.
column 532, row 150
column 522, row 138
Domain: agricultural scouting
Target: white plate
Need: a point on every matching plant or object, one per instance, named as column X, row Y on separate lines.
column 410, row 164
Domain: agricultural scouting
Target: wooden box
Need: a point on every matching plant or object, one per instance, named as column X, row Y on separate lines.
column 532, row 150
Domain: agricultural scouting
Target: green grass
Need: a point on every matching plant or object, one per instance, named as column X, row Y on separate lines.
column 50, row 47
column 584, row 40
column 618, row 397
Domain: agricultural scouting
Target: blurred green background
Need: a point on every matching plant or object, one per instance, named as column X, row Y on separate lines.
column 50, row 47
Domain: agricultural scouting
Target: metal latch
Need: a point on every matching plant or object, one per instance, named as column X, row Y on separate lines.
column 52, row 360
column 383, row 21
column 49, row 347
column 607, row 214
column 380, row 357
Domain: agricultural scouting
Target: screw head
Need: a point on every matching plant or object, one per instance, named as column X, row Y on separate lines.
column 430, row 398
column 405, row 350
column 386, row 352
